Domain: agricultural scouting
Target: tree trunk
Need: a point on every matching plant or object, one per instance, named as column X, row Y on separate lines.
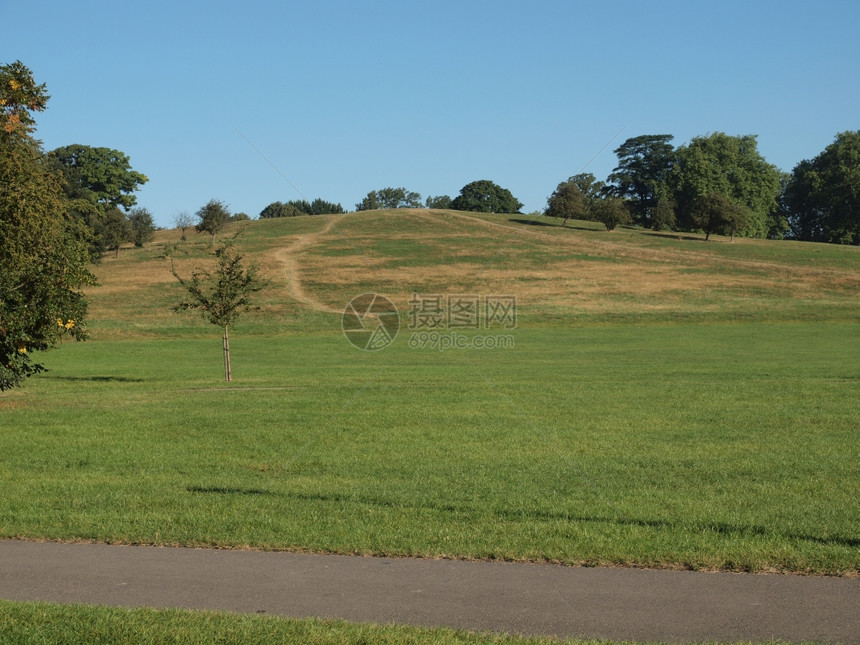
column 228, row 376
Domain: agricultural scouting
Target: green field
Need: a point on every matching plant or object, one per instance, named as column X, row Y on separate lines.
column 78, row 624
column 667, row 403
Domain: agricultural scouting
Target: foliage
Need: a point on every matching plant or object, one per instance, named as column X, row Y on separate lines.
column 662, row 215
column 389, row 198
column 611, row 212
column 484, row 196
column 822, row 196
column 114, row 229
column 212, row 216
column 441, row 202
column 142, row 226
column 42, row 253
column 716, row 213
column 100, row 175
column 730, row 166
column 567, row 201
column 223, row 294
column 644, row 164
column 240, row 217
column 300, row 207
column 19, row 97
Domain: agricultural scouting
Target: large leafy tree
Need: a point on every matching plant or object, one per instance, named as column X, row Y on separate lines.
column 100, row 175
column 42, row 255
column 484, row 196
column 223, row 293
column 100, row 185
column 822, row 196
column 641, row 177
column 730, row 166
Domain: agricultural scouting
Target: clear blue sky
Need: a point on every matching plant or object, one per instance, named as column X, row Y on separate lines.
column 346, row 97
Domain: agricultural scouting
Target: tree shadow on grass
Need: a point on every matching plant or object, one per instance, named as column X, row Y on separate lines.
column 571, row 227
column 96, row 379
column 678, row 236
column 226, row 490
column 554, row 516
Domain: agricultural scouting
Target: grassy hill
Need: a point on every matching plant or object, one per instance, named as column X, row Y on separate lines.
column 666, row 401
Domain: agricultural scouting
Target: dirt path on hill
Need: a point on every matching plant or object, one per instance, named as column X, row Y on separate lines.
column 288, row 258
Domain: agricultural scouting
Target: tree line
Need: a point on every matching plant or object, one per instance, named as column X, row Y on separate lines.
column 716, row 183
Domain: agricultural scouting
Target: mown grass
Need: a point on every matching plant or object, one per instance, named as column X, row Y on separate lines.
column 668, row 445
column 668, row 403
column 85, row 625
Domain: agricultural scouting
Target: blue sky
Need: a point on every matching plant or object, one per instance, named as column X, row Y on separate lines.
column 346, row 97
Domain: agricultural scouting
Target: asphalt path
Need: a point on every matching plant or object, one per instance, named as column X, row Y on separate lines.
column 531, row 599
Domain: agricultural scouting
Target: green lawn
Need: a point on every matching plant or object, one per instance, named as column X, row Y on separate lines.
column 78, row 624
column 730, row 446
column 667, row 402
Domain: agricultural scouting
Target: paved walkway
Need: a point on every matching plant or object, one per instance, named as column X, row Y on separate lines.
column 534, row 599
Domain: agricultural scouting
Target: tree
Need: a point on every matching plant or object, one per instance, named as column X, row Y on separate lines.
column 300, row 207
column 730, row 166
column 716, row 213
column 483, row 196
column 644, row 165
column 100, row 175
column 42, row 253
column 183, row 222
column 663, row 215
column 322, row 207
column 389, row 198
column 610, row 211
column 441, row 202
column 575, row 197
column 279, row 209
column 567, row 201
column 222, row 294
column 142, row 226
column 213, row 217
column 822, row 196
column 114, row 230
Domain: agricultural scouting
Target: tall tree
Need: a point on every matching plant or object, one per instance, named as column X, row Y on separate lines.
column 43, row 260
column 484, row 196
column 212, row 216
column 222, row 294
column 822, row 196
column 100, row 175
column 641, row 177
column 730, row 166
